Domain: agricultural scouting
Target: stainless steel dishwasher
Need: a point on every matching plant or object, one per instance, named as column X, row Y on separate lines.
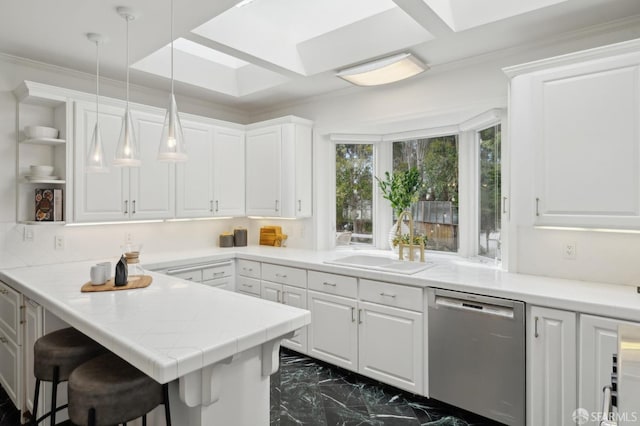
column 477, row 354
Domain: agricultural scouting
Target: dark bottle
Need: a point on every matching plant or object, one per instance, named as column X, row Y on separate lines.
column 121, row 272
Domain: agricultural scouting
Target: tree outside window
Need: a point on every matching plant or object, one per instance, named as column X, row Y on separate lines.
column 354, row 191
column 490, row 195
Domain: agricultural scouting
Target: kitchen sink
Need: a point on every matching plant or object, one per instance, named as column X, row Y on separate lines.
column 381, row 263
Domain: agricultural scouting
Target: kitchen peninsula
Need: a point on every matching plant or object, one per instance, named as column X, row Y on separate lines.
column 216, row 348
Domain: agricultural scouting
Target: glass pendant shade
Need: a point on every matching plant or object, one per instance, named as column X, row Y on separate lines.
column 95, row 157
column 95, row 162
column 127, row 154
column 172, row 146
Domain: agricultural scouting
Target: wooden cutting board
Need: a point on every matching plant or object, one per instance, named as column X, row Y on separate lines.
column 138, row 281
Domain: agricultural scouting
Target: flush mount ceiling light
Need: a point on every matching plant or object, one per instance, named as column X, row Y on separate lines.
column 127, row 154
column 172, row 145
column 95, row 156
column 384, row 71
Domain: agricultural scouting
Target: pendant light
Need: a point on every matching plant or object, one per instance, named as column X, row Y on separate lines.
column 172, row 144
column 95, row 162
column 127, row 154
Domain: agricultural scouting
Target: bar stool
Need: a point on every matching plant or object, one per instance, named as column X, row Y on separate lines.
column 55, row 356
column 107, row 390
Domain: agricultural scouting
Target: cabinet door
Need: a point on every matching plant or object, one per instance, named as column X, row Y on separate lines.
column 304, row 172
column 152, row 189
column 271, row 291
column 551, row 381
column 32, row 331
column 586, row 131
column 598, row 343
column 296, row 297
column 263, row 171
column 390, row 344
column 228, row 172
column 99, row 196
column 333, row 332
column 194, row 179
column 10, row 369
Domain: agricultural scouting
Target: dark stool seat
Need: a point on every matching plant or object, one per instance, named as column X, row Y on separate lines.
column 108, row 390
column 55, row 356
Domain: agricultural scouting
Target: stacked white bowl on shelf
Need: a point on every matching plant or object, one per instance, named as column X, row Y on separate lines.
column 40, row 132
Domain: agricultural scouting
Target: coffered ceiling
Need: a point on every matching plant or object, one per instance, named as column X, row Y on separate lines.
column 253, row 54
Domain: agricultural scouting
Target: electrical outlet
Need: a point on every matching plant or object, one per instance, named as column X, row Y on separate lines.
column 59, row 242
column 128, row 238
column 28, row 234
column 569, row 250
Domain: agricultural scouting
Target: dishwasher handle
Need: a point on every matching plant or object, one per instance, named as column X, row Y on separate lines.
column 474, row 306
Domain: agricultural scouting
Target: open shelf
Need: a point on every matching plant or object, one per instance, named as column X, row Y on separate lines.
column 51, row 181
column 44, row 141
column 34, row 222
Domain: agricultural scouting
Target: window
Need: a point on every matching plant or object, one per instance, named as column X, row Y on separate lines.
column 354, row 194
column 489, row 141
column 435, row 214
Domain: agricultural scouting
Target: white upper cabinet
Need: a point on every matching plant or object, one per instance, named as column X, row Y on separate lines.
column 279, row 168
column 194, row 181
column 211, row 182
column 98, row 196
column 228, row 172
column 120, row 194
column 578, row 118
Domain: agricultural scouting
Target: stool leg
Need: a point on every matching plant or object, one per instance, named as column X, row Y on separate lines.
column 92, row 416
column 54, row 393
column 34, row 415
column 144, row 420
column 167, row 411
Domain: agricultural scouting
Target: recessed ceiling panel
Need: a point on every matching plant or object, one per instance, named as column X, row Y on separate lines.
column 201, row 66
column 272, row 29
column 464, row 14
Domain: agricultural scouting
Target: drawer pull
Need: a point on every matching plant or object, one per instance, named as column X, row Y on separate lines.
column 247, row 269
column 383, row 294
column 218, row 274
column 329, row 284
column 281, row 275
column 189, row 278
column 278, row 296
column 353, row 314
column 247, row 285
column 359, row 316
column 536, row 334
column 3, row 339
column 4, row 291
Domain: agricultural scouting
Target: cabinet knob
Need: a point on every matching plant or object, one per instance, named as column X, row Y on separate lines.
column 4, row 291
column 3, row 339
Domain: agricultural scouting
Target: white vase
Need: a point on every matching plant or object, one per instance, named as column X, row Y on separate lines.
column 404, row 229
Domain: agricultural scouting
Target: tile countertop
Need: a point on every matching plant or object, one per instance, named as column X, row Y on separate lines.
column 168, row 329
column 449, row 272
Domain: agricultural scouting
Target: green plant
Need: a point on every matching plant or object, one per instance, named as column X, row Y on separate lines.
column 404, row 239
column 401, row 188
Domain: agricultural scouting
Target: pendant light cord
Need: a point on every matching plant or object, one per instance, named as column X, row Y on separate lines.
column 97, row 80
column 171, row 26
column 127, row 50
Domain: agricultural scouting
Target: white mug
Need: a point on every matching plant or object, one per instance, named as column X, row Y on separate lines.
column 107, row 270
column 98, row 276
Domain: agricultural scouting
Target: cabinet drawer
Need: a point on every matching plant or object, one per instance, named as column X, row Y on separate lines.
column 249, row 285
column 222, row 270
column 249, row 268
column 398, row 296
column 10, row 313
column 10, row 370
column 221, row 283
column 194, row 275
column 284, row 275
column 340, row 285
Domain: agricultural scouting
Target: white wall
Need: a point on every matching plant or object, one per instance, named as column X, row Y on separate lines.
column 450, row 94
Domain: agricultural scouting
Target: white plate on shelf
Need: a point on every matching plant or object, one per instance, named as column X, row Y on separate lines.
column 31, row 177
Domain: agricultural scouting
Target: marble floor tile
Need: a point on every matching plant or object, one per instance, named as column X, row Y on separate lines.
column 307, row 392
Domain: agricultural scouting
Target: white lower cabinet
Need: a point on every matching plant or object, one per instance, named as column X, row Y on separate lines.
column 390, row 343
column 292, row 296
column 333, row 332
column 598, row 343
column 10, row 367
column 551, row 367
